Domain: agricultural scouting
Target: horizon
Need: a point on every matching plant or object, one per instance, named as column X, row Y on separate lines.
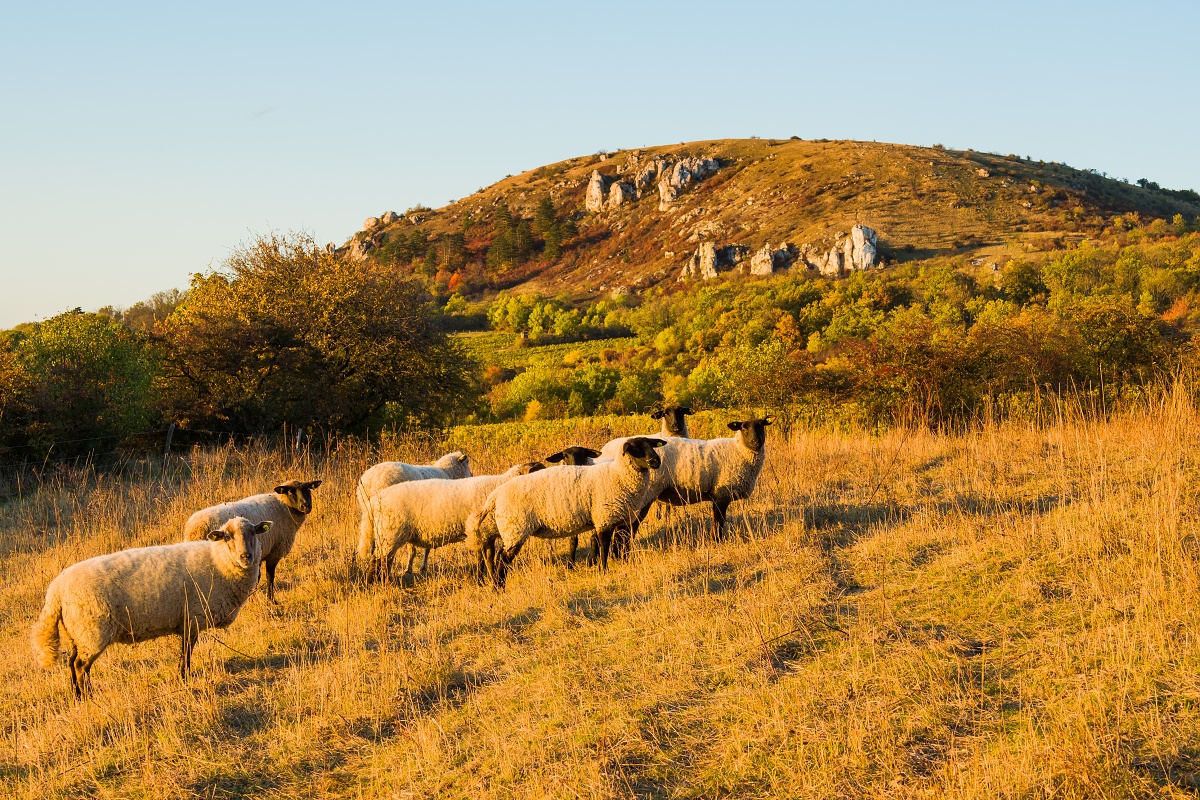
column 156, row 140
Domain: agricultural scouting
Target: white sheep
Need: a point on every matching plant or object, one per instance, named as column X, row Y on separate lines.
column 452, row 466
column 428, row 514
column 559, row 502
column 575, row 456
column 148, row 592
column 697, row 470
column 287, row 506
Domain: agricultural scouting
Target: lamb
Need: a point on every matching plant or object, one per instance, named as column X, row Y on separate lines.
column 559, row 502
column 452, row 466
column 674, row 420
column 145, row 593
column 287, row 506
column 429, row 513
column 696, row 470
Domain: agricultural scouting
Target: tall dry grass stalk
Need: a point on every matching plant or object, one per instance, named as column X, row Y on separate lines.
column 1010, row 611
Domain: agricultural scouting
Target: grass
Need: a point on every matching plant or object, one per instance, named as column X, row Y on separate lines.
column 1007, row 612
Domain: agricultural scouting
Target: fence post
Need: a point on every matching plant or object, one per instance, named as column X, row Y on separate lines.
column 167, row 447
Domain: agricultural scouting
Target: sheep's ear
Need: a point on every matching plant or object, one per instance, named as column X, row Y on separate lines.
column 263, row 526
column 554, row 459
column 686, row 410
column 657, row 414
column 628, row 447
column 655, row 442
column 735, row 426
column 767, row 420
column 535, row 466
column 283, row 488
column 463, row 457
column 217, row 536
column 313, row 484
column 592, row 453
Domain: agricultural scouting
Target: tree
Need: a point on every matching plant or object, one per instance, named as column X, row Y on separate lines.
column 286, row 333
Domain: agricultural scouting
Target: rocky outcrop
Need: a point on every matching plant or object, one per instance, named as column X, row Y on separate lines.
column 370, row 223
column 389, row 218
column 619, row 194
column 680, row 176
column 858, row 250
column 767, row 259
column 597, row 191
column 359, row 248
column 709, row 260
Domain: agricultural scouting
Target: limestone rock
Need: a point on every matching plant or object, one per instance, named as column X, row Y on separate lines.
column 389, row 218
column 619, row 194
column 359, row 248
column 702, row 264
column 681, row 175
column 983, row 173
column 370, row 223
column 330, row 248
column 862, row 248
column 596, row 192
column 767, row 259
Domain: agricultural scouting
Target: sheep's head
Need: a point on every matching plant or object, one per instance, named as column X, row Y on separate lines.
column 753, row 432
column 530, row 466
column 673, row 419
column 456, row 464
column 297, row 495
column 574, row 456
column 640, row 450
column 240, row 536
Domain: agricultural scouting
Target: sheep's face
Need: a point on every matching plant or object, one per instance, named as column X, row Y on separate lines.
column 240, row 536
column 753, row 432
column 574, row 456
column 640, row 451
column 456, row 464
column 297, row 495
column 673, row 418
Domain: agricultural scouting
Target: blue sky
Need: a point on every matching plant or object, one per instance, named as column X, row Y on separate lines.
column 142, row 143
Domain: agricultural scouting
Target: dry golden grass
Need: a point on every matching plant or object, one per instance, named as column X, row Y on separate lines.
column 1010, row 612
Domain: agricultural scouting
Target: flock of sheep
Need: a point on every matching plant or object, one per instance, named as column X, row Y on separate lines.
column 185, row 588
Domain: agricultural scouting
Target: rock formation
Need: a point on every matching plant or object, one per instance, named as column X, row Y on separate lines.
column 709, row 259
column 596, row 192
column 767, row 259
column 681, row 175
column 389, row 218
column 369, row 223
column 858, row 250
column 619, row 194
column 359, row 247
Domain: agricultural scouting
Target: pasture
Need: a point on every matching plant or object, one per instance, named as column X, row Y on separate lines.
column 1008, row 611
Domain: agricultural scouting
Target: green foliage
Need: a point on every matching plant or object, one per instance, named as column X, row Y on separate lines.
column 286, row 333
column 79, row 380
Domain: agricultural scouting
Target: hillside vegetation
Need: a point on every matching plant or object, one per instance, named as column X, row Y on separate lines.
column 923, row 201
column 1006, row 612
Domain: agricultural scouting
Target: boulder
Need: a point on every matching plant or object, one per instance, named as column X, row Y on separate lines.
column 619, row 194
column 597, row 189
column 369, row 223
column 702, row 264
column 763, row 261
column 681, row 175
column 983, row 173
column 389, row 218
column 359, row 247
column 862, row 248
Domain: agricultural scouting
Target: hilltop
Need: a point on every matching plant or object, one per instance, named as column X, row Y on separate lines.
column 923, row 202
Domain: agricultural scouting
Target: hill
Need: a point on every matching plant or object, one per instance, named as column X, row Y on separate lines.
column 922, row 201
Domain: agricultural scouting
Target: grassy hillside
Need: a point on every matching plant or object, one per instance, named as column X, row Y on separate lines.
column 924, row 202
column 1010, row 612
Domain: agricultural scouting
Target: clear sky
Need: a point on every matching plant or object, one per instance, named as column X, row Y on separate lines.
column 141, row 143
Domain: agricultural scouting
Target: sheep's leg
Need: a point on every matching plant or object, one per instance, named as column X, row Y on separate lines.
column 622, row 536
column 572, row 549
column 720, row 510
column 504, row 558
column 82, row 668
column 270, row 568
column 412, row 556
column 72, row 654
column 425, row 559
column 484, row 562
column 604, row 538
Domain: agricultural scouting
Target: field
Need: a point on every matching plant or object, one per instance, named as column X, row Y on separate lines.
column 1009, row 611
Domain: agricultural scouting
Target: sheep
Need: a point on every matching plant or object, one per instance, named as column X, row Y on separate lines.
column 575, row 456
column 452, row 466
column 287, row 506
column 674, row 421
column 145, row 593
column 429, row 513
column 696, row 470
column 559, row 502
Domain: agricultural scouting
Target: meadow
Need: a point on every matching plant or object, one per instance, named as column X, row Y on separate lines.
column 1009, row 610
